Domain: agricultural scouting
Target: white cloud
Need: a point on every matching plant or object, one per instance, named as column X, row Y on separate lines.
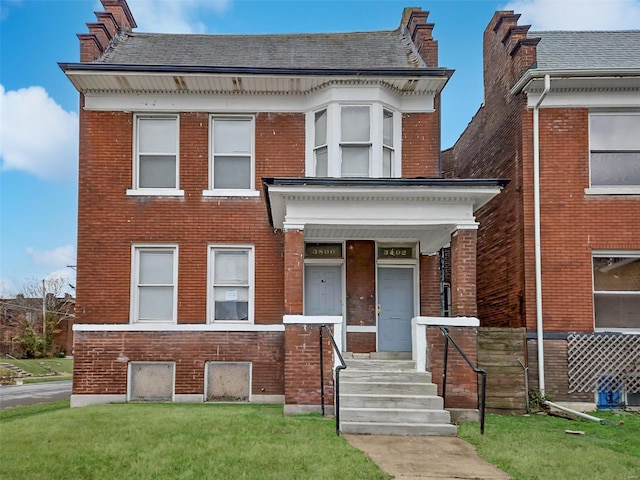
column 58, row 258
column 173, row 16
column 578, row 14
column 37, row 135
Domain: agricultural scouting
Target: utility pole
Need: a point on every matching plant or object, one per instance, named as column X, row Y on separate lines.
column 44, row 318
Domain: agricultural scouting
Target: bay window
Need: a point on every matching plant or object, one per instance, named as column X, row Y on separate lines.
column 616, row 290
column 347, row 140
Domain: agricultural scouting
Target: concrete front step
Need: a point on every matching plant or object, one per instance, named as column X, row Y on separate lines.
column 395, row 388
column 355, row 400
column 419, row 429
column 381, row 365
column 354, row 375
column 399, row 415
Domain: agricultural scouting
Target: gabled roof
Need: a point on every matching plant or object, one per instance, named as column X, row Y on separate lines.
column 361, row 50
column 607, row 50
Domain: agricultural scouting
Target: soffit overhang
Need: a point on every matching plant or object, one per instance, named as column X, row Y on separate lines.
column 423, row 210
column 102, row 78
column 532, row 82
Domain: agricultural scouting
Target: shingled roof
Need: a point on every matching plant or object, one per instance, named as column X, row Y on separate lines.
column 379, row 50
column 607, row 50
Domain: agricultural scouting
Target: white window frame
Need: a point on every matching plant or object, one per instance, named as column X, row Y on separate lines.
column 135, row 275
column 211, row 308
column 334, row 141
column 232, row 192
column 612, row 189
column 619, row 254
column 135, row 188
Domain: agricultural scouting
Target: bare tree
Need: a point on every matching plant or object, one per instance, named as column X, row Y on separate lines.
column 37, row 311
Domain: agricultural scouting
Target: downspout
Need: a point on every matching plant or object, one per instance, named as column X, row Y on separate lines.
column 536, row 222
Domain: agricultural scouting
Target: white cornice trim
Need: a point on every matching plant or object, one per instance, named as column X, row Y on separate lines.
column 183, row 327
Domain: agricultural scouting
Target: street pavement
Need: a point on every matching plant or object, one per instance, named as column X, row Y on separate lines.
column 33, row 393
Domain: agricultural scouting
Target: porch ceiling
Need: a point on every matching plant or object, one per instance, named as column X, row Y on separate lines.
column 424, row 210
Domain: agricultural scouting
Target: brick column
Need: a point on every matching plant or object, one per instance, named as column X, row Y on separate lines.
column 430, row 285
column 463, row 273
column 293, row 271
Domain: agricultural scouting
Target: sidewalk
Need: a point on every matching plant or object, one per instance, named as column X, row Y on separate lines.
column 414, row 458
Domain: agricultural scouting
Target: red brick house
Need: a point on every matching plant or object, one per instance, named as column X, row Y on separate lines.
column 559, row 249
column 238, row 191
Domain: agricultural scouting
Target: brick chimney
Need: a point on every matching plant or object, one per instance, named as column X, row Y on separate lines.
column 421, row 33
column 115, row 19
column 508, row 53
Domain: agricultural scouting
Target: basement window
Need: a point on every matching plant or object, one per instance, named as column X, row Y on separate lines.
column 616, row 291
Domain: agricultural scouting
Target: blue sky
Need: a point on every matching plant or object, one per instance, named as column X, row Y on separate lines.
column 38, row 105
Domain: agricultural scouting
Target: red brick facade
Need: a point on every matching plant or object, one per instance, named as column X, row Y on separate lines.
column 282, row 348
column 499, row 143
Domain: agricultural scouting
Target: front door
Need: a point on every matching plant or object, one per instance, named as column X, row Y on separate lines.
column 395, row 309
column 323, row 290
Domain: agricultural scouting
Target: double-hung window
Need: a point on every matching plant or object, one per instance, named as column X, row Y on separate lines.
column 614, row 139
column 156, row 156
column 347, row 140
column 154, row 283
column 616, row 290
column 231, row 273
column 232, row 164
column 355, row 141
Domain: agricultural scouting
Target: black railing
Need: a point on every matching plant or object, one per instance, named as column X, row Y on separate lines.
column 483, row 388
column 342, row 366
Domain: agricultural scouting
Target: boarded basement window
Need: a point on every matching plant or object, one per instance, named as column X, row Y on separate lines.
column 228, row 381
column 151, row 381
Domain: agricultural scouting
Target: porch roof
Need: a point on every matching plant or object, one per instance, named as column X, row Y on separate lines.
column 427, row 210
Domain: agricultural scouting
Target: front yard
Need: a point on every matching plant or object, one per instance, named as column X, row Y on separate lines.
column 537, row 447
column 143, row 441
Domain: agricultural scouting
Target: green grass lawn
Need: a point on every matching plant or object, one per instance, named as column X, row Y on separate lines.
column 537, row 447
column 196, row 441
column 44, row 366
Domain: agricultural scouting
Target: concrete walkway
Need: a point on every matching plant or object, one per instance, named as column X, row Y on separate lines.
column 414, row 458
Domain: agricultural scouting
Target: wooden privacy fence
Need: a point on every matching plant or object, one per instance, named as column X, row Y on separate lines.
column 498, row 352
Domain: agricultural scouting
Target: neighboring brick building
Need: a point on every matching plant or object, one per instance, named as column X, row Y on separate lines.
column 236, row 191
column 588, row 145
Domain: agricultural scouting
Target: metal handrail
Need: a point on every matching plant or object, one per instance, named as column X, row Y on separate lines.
column 483, row 390
column 342, row 366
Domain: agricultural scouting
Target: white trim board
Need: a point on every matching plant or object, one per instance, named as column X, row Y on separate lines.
column 182, row 327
